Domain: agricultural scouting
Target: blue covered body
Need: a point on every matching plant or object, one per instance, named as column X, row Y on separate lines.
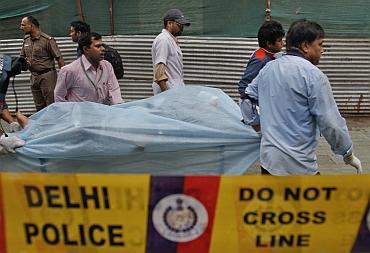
column 184, row 131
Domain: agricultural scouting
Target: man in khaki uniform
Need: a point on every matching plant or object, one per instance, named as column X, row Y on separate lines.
column 40, row 50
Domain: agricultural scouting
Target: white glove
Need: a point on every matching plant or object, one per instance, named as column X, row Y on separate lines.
column 354, row 162
column 8, row 144
column 14, row 127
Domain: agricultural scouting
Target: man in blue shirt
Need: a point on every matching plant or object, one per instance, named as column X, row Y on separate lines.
column 296, row 105
column 270, row 41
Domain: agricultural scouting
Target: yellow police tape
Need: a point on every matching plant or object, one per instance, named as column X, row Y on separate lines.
column 290, row 214
column 93, row 213
column 110, row 213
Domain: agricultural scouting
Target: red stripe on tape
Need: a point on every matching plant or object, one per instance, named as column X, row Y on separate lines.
column 205, row 190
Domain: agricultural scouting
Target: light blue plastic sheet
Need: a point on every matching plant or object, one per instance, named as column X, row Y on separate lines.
column 184, row 131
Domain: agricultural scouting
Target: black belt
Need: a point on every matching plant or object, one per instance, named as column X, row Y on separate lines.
column 42, row 71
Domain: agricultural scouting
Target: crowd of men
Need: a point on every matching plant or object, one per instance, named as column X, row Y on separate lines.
column 284, row 97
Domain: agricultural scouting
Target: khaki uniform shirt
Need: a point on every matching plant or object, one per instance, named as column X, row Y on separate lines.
column 40, row 52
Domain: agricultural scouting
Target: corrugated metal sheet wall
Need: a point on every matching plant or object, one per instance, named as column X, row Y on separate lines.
column 217, row 62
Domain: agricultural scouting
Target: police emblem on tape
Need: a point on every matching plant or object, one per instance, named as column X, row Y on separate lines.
column 180, row 218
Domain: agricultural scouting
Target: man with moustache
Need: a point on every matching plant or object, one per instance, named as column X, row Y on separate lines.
column 297, row 105
column 40, row 50
column 79, row 28
column 89, row 78
column 166, row 53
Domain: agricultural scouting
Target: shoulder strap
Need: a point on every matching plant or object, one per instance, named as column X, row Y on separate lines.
column 45, row 36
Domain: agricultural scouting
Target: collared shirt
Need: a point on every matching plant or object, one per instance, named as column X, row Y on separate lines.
column 40, row 51
column 166, row 50
column 78, row 84
column 257, row 61
column 296, row 104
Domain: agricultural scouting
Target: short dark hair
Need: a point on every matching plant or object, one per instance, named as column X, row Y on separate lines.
column 80, row 26
column 165, row 22
column 86, row 39
column 270, row 31
column 303, row 31
column 33, row 21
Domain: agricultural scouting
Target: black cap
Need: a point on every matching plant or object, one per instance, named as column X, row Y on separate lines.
column 176, row 14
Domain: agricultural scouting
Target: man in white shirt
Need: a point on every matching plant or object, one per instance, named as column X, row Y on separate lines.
column 166, row 53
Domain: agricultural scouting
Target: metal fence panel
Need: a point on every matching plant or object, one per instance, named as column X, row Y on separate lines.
column 217, row 62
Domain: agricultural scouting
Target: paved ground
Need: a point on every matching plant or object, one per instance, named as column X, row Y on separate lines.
column 329, row 163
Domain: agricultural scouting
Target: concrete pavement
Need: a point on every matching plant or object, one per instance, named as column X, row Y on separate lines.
column 329, row 163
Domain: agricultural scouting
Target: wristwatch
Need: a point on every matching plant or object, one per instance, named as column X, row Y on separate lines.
column 348, row 153
column 347, row 157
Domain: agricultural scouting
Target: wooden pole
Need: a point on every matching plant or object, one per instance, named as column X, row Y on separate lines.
column 80, row 11
column 111, row 18
column 268, row 10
